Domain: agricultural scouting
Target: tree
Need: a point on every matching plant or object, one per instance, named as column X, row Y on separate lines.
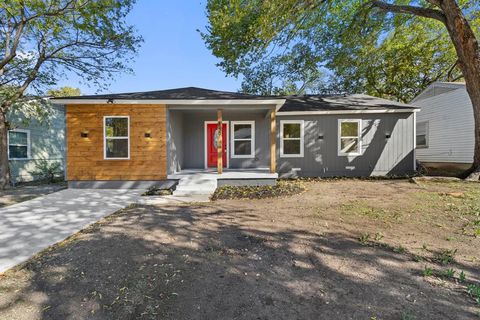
column 64, row 92
column 355, row 36
column 43, row 41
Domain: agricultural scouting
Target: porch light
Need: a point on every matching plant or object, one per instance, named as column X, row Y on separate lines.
column 84, row 134
column 388, row 135
column 320, row 137
column 148, row 135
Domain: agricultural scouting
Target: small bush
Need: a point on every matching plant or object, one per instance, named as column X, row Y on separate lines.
column 48, row 171
column 157, row 191
column 282, row 188
column 446, row 256
column 427, row 272
column 474, row 291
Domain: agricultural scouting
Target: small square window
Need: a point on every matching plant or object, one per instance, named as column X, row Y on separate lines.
column 291, row 138
column 243, row 139
column 19, row 144
column 349, row 138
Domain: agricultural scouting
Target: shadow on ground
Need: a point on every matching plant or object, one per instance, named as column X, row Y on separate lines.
column 219, row 262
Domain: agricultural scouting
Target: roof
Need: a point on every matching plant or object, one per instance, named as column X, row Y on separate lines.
column 438, row 88
column 304, row 103
column 339, row 102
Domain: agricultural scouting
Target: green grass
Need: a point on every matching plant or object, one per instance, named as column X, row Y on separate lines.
column 366, row 209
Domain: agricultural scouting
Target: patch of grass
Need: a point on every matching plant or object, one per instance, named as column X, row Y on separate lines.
column 462, row 276
column 399, row 249
column 282, row 188
column 427, row 272
column 449, row 273
column 446, row 256
column 364, row 208
column 364, row 238
column 474, row 291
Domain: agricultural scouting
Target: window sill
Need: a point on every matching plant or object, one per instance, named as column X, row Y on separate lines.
column 291, row 156
column 242, row 157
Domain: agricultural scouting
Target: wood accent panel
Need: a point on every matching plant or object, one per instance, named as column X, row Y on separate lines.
column 220, row 142
column 273, row 141
column 85, row 156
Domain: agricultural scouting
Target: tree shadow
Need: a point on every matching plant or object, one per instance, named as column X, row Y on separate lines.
column 220, row 262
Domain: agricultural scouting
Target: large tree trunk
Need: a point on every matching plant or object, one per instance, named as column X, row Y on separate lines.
column 4, row 167
column 468, row 52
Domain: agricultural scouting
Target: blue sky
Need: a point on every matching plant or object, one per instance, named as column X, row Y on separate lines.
column 173, row 54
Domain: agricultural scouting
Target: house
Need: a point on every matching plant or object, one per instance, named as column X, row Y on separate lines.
column 136, row 139
column 35, row 145
column 445, row 127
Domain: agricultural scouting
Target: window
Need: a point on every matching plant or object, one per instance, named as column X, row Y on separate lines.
column 19, row 144
column 422, row 134
column 117, row 141
column 291, row 138
column 349, row 139
column 243, row 139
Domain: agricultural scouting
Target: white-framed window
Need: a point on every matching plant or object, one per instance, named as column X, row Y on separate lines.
column 18, row 144
column 422, row 134
column 243, row 139
column 349, row 137
column 291, row 138
column 116, row 131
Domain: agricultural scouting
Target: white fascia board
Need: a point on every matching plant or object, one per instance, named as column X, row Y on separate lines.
column 311, row 113
column 277, row 102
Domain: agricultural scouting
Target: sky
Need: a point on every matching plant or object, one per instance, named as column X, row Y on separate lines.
column 173, row 54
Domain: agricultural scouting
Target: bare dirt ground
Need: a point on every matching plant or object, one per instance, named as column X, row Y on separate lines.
column 341, row 250
column 26, row 192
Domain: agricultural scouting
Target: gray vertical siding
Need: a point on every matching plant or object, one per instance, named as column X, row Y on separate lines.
column 47, row 141
column 380, row 156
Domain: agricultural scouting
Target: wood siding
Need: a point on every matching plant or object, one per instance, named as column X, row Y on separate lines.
column 85, row 156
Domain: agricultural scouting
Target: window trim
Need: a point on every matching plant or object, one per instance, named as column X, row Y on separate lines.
column 359, row 137
column 232, row 140
column 427, row 127
column 28, row 145
column 302, row 138
column 115, row 138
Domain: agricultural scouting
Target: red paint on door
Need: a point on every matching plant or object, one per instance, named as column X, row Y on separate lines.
column 211, row 145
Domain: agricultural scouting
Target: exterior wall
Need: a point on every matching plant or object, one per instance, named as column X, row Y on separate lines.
column 450, row 128
column 437, row 88
column 85, row 156
column 380, row 156
column 175, row 148
column 193, row 138
column 47, row 142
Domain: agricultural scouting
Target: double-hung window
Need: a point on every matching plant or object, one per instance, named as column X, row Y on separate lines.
column 117, row 137
column 422, row 134
column 349, row 137
column 18, row 144
column 243, row 139
column 291, row 138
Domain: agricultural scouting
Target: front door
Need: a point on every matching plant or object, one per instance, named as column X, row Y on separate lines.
column 212, row 138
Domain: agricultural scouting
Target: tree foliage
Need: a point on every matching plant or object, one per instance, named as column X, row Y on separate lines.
column 64, row 92
column 339, row 46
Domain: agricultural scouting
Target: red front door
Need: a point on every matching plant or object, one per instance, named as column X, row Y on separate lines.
column 212, row 136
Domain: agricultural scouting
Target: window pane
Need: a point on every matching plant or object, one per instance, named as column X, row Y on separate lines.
column 291, row 130
column 349, row 129
column 117, row 148
column 18, row 152
column 349, row 145
column 116, row 127
column 243, row 148
column 421, row 140
column 242, row 131
column 291, row 146
column 18, row 137
column 422, row 128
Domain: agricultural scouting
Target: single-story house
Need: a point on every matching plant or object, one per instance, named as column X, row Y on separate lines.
column 445, row 127
column 36, row 146
column 146, row 137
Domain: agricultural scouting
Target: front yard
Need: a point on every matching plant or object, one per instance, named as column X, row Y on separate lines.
column 344, row 249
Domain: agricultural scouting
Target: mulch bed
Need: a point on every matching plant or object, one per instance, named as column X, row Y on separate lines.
column 282, row 188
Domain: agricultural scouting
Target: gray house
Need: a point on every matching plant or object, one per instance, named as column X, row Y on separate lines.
column 161, row 135
column 35, row 145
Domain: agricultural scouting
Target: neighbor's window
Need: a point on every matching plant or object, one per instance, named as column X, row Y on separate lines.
column 243, row 139
column 18, row 144
column 349, row 139
column 291, row 138
column 117, row 144
column 422, row 134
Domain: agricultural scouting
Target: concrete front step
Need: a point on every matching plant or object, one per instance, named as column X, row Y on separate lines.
column 191, row 185
column 186, row 193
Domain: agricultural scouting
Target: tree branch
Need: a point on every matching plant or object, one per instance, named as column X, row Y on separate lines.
column 414, row 10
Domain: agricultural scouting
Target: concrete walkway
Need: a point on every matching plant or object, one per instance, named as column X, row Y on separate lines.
column 31, row 226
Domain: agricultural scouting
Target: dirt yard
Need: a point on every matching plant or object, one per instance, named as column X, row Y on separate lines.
column 28, row 191
column 341, row 250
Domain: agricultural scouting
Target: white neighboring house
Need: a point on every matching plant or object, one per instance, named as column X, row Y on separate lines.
column 445, row 126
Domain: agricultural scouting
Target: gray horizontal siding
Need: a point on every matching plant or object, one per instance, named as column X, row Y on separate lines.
column 47, row 141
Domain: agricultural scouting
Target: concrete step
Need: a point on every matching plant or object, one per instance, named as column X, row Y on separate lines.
column 186, row 193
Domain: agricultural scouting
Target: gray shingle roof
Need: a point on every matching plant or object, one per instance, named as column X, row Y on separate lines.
column 293, row 103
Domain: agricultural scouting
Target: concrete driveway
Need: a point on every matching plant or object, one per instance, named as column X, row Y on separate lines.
column 31, row 226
